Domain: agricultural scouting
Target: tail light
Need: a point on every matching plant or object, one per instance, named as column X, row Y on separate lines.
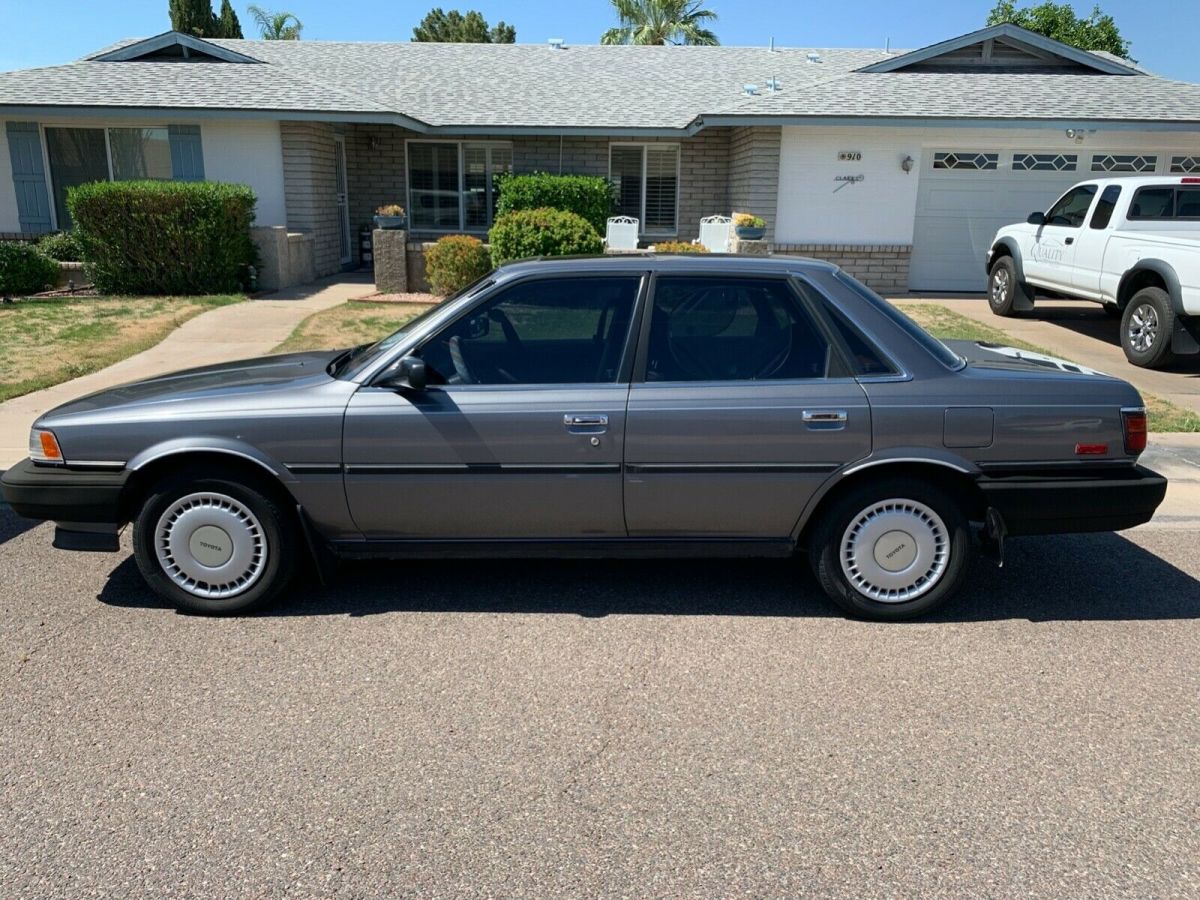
column 1133, row 421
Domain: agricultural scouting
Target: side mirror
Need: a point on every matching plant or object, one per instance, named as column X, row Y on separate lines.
column 1036, row 218
column 410, row 373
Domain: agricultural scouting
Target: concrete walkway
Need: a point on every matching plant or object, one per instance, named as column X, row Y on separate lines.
column 1083, row 333
column 225, row 334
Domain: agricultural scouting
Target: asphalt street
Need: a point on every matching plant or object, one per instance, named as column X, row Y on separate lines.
column 604, row 728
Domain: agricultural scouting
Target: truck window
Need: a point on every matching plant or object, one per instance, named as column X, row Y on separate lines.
column 1187, row 203
column 1104, row 209
column 1071, row 208
column 1153, row 203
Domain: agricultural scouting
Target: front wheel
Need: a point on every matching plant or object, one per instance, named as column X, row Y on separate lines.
column 214, row 545
column 891, row 550
column 1004, row 289
column 1146, row 328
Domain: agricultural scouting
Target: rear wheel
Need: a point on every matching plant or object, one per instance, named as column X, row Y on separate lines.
column 1004, row 288
column 1146, row 328
column 214, row 545
column 891, row 550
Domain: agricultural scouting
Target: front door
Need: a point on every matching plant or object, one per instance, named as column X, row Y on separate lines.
column 1050, row 255
column 743, row 412
column 1090, row 244
column 520, row 432
column 345, row 245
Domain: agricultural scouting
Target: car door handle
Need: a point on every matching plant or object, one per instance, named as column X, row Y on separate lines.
column 824, row 418
column 1068, row 240
column 585, row 423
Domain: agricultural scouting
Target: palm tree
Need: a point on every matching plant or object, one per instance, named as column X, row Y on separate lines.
column 661, row 22
column 276, row 26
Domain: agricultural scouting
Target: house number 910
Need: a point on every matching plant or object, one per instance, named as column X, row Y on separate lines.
column 850, row 156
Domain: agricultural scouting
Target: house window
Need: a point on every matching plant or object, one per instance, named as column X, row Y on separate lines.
column 1044, row 162
column 966, row 160
column 82, row 155
column 1123, row 162
column 452, row 184
column 646, row 177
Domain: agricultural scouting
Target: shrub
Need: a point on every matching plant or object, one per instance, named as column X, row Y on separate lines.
column 588, row 196
column 541, row 232
column 164, row 237
column 745, row 220
column 25, row 270
column 454, row 262
column 679, row 247
column 61, row 245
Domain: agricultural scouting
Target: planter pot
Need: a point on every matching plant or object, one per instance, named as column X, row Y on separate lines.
column 750, row 233
column 391, row 223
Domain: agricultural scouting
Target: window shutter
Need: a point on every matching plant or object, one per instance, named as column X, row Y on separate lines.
column 662, row 188
column 187, row 155
column 29, row 177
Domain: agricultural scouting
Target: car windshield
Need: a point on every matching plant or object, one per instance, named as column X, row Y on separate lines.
column 353, row 361
column 936, row 348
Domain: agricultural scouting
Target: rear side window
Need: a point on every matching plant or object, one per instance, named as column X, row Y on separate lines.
column 865, row 358
column 1153, row 203
column 935, row 348
column 1104, row 208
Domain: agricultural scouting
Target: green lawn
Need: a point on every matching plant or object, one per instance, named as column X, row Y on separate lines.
column 949, row 325
column 349, row 325
column 47, row 341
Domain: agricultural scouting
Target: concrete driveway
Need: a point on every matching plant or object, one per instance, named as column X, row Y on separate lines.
column 672, row 729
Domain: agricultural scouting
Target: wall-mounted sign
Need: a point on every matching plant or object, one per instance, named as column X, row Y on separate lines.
column 850, row 178
column 849, row 155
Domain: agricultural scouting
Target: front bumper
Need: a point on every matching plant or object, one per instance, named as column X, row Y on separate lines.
column 1054, row 504
column 65, row 495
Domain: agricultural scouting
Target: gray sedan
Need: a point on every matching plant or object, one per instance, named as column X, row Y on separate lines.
column 626, row 406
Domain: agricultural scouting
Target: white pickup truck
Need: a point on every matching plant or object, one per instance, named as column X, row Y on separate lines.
column 1132, row 244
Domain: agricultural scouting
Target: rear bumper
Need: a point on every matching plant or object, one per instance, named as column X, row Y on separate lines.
column 1053, row 504
column 64, row 495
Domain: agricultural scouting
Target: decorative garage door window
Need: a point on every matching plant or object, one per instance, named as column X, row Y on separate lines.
column 1123, row 162
column 1184, row 165
column 966, row 160
column 1044, row 162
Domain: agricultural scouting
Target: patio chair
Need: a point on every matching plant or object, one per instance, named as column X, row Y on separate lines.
column 714, row 233
column 622, row 233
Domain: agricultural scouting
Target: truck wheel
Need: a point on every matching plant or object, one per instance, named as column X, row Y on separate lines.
column 1004, row 288
column 891, row 550
column 1146, row 328
column 214, row 545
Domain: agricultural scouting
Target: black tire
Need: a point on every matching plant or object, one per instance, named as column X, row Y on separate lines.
column 262, row 556
column 932, row 586
column 1004, row 287
column 1146, row 328
column 1113, row 311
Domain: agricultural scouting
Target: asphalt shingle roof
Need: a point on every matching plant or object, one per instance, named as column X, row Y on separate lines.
column 536, row 87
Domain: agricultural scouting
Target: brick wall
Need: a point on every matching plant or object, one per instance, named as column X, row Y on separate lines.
column 882, row 267
column 376, row 168
column 310, row 189
column 754, row 172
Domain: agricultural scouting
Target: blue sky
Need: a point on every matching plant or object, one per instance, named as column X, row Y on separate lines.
column 47, row 32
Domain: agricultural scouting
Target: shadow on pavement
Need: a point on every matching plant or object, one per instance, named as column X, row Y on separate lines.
column 1089, row 320
column 12, row 525
column 1081, row 577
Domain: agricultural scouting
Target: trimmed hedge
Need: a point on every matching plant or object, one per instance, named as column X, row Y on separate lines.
column 454, row 262
column 542, row 232
column 679, row 247
column 25, row 270
column 588, row 196
column 61, row 245
column 164, row 237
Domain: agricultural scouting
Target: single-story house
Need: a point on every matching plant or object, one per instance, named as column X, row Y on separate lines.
column 899, row 165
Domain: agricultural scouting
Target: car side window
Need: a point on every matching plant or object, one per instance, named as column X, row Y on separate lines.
column 1153, row 203
column 542, row 331
column 1105, row 206
column 1072, row 207
column 731, row 329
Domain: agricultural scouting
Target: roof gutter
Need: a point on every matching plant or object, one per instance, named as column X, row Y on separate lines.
column 951, row 122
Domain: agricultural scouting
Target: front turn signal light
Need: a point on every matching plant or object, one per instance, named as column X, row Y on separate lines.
column 43, row 447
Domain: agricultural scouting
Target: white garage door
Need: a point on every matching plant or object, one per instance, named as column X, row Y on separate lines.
column 966, row 195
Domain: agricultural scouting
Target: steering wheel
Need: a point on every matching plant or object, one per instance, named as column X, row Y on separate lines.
column 700, row 367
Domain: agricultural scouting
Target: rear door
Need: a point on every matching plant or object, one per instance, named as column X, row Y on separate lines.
column 739, row 410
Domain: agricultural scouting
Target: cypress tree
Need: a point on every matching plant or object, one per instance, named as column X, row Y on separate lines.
column 228, row 25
